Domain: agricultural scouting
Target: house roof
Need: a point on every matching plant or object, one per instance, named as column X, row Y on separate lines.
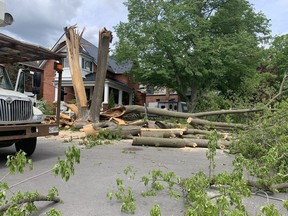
column 12, row 51
column 91, row 50
column 113, row 66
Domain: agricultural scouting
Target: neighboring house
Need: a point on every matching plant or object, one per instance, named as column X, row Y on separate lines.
column 154, row 94
column 125, row 92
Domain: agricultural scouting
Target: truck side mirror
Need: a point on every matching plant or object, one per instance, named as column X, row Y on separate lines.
column 36, row 83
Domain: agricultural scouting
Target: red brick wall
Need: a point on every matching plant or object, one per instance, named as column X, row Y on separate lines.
column 47, row 88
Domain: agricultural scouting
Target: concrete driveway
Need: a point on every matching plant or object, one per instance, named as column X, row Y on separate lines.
column 85, row 193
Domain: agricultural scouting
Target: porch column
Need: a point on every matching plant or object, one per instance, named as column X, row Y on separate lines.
column 106, row 93
column 120, row 97
column 55, row 93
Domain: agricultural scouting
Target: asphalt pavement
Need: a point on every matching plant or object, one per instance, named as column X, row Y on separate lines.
column 85, row 193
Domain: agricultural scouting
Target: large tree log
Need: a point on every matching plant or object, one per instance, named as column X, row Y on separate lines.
column 125, row 132
column 158, row 142
column 197, row 131
column 162, row 133
column 174, row 143
column 203, row 143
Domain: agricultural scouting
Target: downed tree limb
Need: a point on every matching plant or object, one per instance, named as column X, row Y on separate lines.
column 271, row 188
column 3, row 208
column 162, row 133
column 209, row 124
column 174, row 142
column 280, row 92
column 124, row 110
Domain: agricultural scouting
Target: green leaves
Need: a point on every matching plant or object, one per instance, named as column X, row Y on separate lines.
column 66, row 167
column 183, row 44
column 17, row 163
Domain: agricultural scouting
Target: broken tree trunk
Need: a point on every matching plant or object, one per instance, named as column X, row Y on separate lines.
column 105, row 37
column 73, row 45
column 174, row 142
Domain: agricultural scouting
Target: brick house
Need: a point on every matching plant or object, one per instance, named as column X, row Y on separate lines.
column 125, row 92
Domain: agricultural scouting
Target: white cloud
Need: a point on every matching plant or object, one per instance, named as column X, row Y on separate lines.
column 42, row 21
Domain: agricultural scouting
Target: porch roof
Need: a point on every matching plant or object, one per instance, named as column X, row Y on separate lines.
column 12, row 51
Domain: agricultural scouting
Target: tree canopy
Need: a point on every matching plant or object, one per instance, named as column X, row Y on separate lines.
column 192, row 46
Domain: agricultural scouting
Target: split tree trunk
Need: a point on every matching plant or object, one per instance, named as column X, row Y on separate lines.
column 73, row 44
column 105, row 37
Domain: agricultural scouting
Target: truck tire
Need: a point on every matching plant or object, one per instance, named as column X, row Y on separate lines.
column 27, row 145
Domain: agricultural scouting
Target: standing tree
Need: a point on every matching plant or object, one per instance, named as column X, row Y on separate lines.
column 192, row 46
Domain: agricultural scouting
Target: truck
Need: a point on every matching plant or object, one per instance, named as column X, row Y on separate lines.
column 20, row 121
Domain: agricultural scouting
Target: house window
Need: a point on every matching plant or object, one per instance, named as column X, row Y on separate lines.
column 86, row 64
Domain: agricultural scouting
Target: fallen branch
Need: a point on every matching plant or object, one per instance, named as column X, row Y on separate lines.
column 124, row 110
column 209, row 124
column 39, row 198
column 280, row 92
column 271, row 188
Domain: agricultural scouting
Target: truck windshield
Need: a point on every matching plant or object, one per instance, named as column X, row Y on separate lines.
column 5, row 80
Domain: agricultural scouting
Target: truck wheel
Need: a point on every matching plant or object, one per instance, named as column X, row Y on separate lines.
column 27, row 145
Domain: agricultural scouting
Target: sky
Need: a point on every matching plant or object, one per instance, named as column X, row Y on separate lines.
column 42, row 22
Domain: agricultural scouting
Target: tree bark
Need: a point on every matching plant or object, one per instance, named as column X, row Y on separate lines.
column 209, row 124
column 158, row 142
column 162, row 133
column 174, row 142
column 73, row 44
column 105, row 37
column 203, row 143
column 124, row 110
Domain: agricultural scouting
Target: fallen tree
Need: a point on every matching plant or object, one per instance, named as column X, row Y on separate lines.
column 125, row 110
